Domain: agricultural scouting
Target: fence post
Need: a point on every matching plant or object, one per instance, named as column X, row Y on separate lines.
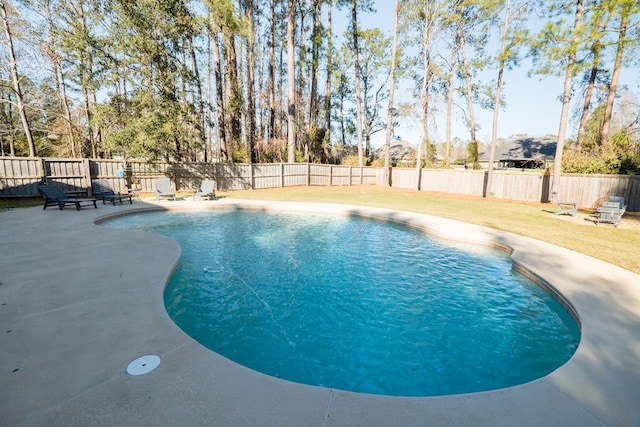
column 251, row 177
column 308, row 174
column 330, row 175
column 281, row 175
column 87, row 176
column 42, row 170
column 175, row 168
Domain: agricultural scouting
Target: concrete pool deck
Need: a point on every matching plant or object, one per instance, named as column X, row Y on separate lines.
column 79, row 302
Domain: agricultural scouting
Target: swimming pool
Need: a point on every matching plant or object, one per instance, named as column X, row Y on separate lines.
column 358, row 304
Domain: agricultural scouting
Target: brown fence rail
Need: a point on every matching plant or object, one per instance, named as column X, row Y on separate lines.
column 19, row 177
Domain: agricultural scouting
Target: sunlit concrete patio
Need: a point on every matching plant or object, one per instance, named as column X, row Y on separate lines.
column 80, row 301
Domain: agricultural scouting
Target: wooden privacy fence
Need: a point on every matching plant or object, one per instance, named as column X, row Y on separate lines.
column 507, row 184
column 19, row 177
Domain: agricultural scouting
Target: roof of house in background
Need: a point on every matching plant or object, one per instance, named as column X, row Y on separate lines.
column 524, row 147
column 517, row 147
column 398, row 150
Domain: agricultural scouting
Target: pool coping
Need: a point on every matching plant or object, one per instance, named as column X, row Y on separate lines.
column 77, row 308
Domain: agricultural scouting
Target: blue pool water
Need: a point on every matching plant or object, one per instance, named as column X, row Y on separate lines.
column 357, row 304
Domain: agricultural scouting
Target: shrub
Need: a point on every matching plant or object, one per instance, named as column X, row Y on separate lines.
column 618, row 157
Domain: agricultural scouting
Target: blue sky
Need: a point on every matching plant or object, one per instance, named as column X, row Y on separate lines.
column 533, row 105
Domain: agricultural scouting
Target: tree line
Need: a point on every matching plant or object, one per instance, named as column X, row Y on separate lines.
column 275, row 80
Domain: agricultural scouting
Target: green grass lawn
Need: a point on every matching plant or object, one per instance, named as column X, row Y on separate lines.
column 20, row 202
column 619, row 246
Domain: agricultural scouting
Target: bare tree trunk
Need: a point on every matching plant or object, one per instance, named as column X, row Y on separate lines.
column 271, row 86
column 366, row 127
column 586, row 105
column 98, row 130
column 281, row 110
column 566, row 101
column 291, row 89
column 356, row 62
column 208, row 104
column 259, row 60
column 222, row 120
column 233, row 94
column 392, row 87
column 302, row 140
column 343, row 131
column 59, row 81
column 424, row 95
column 596, row 49
column 8, row 117
column 251, row 106
column 315, row 53
column 86, row 76
column 327, row 93
column 496, row 106
column 615, row 76
column 15, row 77
column 450, row 89
column 87, row 111
column 239, row 96
column 469, row 89
column 199, row 103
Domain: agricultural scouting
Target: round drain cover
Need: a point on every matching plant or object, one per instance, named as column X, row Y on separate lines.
column 143, row 365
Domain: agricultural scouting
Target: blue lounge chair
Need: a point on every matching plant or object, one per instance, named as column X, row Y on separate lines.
column 207, row 189
column 163, row 188
column 55, row 196
column 103, row 191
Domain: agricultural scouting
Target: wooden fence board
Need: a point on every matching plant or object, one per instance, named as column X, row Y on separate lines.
column 267, row 176
column 20, row 176
column 296, row 174
column 452, row 181
column 632, row 194
column 320, row 175
column 68, row 174
column 337, row 175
